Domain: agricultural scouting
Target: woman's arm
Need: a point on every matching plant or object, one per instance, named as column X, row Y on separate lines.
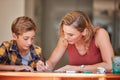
column 57, row 54
column 102, row 41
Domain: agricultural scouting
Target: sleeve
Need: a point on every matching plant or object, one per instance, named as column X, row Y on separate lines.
column 3, row 54
column 38, row 52
column 37, row 57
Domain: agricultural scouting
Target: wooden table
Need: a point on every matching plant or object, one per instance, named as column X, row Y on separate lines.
column 56, row 76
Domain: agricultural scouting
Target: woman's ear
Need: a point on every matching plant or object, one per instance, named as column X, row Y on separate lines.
column 14, row 36
column 84, row 32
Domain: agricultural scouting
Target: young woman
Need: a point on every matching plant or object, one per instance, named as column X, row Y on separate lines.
column 88, row 46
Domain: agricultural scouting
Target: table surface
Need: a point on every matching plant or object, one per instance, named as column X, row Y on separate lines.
column 50, row 74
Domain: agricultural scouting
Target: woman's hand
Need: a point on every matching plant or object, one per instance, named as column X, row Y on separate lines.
column 67, row 68
column 23, row 68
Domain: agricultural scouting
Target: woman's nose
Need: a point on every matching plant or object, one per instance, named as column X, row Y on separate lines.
column 66, row 37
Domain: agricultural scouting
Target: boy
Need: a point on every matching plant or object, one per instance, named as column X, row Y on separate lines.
column 20, row 54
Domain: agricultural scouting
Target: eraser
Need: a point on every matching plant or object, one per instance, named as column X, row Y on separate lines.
column 70, row 71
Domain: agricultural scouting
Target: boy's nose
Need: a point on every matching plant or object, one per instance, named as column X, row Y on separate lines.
column 29, row 42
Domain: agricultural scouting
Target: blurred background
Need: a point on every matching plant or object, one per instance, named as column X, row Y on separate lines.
column 48, row 13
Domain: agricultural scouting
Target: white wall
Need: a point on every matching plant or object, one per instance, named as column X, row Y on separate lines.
column 29, row 8
column 9, row 10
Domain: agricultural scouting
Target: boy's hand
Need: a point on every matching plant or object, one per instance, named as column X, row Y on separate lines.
column 23, row 68
column 40, row 66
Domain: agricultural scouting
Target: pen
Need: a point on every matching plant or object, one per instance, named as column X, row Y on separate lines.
column 44, row 60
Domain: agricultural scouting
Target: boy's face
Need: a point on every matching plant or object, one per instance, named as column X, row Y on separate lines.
column 25, row 40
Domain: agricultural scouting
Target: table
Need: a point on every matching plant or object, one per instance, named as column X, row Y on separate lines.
column 56, row 76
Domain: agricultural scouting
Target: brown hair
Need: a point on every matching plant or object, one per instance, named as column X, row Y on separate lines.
column 22, row 24
column 80, row 21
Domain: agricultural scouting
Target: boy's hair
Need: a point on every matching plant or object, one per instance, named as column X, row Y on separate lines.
column 22, row 24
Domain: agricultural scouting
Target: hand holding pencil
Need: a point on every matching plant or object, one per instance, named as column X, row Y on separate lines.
column 41, row 66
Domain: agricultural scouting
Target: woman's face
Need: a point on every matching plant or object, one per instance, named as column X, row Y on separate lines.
column 71, row 34
column 25, row 40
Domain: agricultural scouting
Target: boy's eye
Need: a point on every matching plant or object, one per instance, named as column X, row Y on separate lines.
column 25, row 38
column 32, row 38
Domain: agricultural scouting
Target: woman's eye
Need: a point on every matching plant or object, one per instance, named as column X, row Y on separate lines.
column 70, row 34
column 25, row 39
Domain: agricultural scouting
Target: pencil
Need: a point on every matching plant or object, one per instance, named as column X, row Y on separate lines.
column 44, row 60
